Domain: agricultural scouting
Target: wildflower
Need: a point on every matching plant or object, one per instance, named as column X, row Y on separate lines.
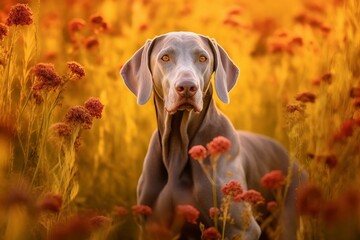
column 98, row 23
column 188, row 212
column 91, row 42
column 331, row 212
column 273, row 180
column 214, row 212
column 61, row 129
column 3, row 31
column 94, row 106
column 120, row 211
column 211, row 234
column 218, row 145
column 306, row 97
column 309, row 200
column 355, row 92
column 345, row 131
column 78, row 116
column 20, row 14
column 76, row 70
column 296, row 41
column 76, row 25
column 232, row 189
column 99, row 221
column 47, row 78
column 38, row 98
column 198, row 152
column 141, row 210
column 293, row 108
column 51, row 202
column 271, row 206
column 252, row 197
column 327, row 78
column 77, row 143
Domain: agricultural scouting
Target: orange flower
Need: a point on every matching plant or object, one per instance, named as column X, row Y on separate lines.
column 306, row 97
column 218, row 146
column 20, row 14
column 94, row 106
column 273, row 180
column 211, row 234
column 252, row 197
column 188, row 212
column 232, row 189
column 51, row 202
column 198, row 152
column 3, row 31
column 141, row 210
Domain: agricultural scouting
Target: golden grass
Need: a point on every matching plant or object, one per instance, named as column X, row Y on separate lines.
column 283, row 48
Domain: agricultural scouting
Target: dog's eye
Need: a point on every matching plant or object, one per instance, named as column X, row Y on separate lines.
column 202, row 59
column 165, row 58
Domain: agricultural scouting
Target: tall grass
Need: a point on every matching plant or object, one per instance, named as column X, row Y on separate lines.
column 299, row 83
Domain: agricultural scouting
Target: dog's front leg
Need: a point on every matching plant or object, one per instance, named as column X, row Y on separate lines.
column 153, row 177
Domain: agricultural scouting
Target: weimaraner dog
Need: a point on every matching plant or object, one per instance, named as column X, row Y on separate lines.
column 178, row 67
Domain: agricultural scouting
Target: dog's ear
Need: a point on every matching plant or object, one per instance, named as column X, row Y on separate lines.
column 226, row 72
column 136, row 73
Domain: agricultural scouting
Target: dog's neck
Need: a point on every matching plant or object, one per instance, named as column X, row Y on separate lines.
column 177, row 130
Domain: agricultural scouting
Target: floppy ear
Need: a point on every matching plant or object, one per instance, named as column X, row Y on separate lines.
column 226, row 72
column 136, row 73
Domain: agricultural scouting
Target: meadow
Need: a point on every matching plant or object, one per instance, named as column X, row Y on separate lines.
column 73, row 139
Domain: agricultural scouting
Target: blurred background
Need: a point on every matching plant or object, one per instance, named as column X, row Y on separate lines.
column 298, row 60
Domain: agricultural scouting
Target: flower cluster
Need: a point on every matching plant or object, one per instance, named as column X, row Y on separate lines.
column 142, row 210
column 218, row 145
column 273, row 180
column 77, row 71
column 46, row 77
column 94, row 106
column 20, row 14
column 51, row 202
column 78, row 116
column 211, row 234
column 306, row 97
column 3, row 31
column 198, row 152
column 188, row 212
column 253, row 197
column 232, row 189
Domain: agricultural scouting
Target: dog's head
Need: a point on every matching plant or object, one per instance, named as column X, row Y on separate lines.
column 178, row 66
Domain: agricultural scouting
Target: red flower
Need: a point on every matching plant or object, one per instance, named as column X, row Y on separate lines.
column 306, row 97
column 61, row 129
column 141, row 210
column 345, row 131
column 3, row 31
column 309, row 200
column 51, row 202
column 211, row 234
column 94, row 106
column 76, row 69
column 188, row 212
column 99, row 221
column 218, row 145
column 273, row 180
column 20, row 14
column 78, row 116
column 91, row 42
column 214, row 212
column 120, row 211
column 329, row 160
column 232, row 189
column 198, row 152
column 98, row 23
column 252, row 197
column 76, row 25
column 271, row 206
column 47, row 78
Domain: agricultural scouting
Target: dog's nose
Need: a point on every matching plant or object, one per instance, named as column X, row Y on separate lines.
column 186, row 88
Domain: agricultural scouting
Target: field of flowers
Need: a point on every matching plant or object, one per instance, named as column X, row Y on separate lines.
column 72, row 138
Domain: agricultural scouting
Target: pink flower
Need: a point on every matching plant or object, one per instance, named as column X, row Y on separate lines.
column 188, row 212
column 51, row 202
column 232, row 189
column 252, row 197
column 20, row 14
column 211, row 234
column 214, row 212
column 218, row 145
column 271, row 206
column 273, row 180
column 141, row 210
column 94, row 106
column 198, row 152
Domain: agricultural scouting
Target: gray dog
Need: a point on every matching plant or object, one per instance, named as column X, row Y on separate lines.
column 178, row 67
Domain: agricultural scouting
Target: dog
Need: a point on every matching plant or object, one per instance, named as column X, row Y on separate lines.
column 177, row 68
